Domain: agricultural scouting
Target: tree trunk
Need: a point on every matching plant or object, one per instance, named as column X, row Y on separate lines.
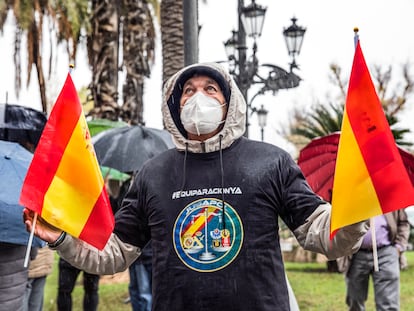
column 172, row 37
column 103, row 57
column 138, row 52
column 34, row 40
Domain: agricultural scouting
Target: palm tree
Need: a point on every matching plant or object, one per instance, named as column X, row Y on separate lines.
column 107, row 20
column 29, row 17
column 132, row 21
column 138, row 50
column 172, row 37
column 103, row 58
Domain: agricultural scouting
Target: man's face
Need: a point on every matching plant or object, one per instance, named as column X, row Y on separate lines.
column 208, row 87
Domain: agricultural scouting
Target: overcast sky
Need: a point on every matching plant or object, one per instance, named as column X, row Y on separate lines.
column 385, row 34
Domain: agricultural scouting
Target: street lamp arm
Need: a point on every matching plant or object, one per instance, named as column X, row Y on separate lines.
column 278, row 78
column 249, row 104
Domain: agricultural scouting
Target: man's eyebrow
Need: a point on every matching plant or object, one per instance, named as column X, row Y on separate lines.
column 188, row 82
column 211, row 81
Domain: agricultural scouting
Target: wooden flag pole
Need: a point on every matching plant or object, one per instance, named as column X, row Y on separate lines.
column 30, row 242
column 374, row 244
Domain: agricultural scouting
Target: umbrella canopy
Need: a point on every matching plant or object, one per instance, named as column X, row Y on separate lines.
column 127, row 148
column 21, row 124
column 114, row 174
column 317, row 161
column 98, row 125
column 14, row 163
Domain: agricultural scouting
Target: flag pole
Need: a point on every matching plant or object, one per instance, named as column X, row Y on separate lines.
column 371, row 220
column 374, row 244
column 30, row 242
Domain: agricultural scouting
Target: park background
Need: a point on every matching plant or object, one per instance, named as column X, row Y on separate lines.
column 385, row 29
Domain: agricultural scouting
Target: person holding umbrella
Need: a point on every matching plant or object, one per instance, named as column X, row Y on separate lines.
column 14, row 162
column 210, row 208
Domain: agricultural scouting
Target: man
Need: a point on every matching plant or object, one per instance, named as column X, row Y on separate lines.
column 391, row 235
column 210, row 208
column 68, row 276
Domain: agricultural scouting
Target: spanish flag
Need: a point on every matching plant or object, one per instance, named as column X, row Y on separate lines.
column 64, row 184
column 370, row 177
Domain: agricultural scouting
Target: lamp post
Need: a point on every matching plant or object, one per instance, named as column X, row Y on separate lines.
column 262, row 119
column 248, row 71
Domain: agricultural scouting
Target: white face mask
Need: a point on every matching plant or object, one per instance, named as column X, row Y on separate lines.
column 201, row 114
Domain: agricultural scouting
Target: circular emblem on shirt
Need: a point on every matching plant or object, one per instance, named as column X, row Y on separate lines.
column 205, row 238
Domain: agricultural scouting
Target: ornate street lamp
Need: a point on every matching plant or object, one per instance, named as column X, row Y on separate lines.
column 246, row 70
column 231, row 46
column 252, row 17
column 294, row 38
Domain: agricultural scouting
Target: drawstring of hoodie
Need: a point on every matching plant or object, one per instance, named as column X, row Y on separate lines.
column 184, row 166
column 223, row 216
column 222, row 183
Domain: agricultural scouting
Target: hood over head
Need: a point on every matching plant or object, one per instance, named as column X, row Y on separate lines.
column 235, row 122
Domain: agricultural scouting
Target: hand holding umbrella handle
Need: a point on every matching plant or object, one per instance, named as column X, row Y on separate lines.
column 42, row 230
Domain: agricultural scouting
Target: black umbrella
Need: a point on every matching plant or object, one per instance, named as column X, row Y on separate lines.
column 127, row 148
column 21, row 124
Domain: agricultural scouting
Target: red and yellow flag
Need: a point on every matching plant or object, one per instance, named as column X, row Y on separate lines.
column 64, row 183
column 370, row 177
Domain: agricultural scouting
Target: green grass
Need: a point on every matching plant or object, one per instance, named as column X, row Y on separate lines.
column 314, row 287
column 317, row 289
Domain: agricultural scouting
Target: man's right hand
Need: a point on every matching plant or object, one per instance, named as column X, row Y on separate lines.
column 43, row 230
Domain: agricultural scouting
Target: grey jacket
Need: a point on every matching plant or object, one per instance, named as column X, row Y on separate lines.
column 13, row 276
column 259, row 182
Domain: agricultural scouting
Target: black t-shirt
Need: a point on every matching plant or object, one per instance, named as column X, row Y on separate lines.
column 206, row 257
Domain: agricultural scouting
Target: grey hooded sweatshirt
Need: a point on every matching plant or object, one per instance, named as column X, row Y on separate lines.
column 211, row 212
